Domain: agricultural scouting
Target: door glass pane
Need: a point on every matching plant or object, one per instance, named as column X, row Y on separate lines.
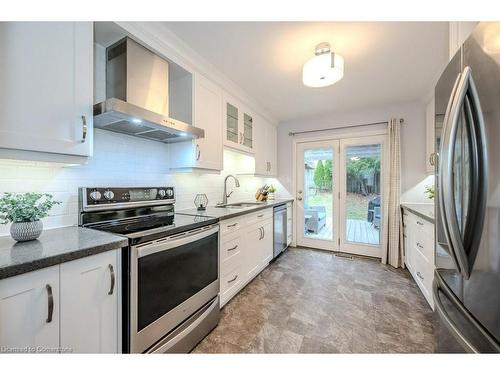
column 232, row 123
column 248, row 130
column 363, row 194
column 318, row 193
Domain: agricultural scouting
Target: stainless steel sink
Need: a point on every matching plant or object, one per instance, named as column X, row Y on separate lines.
column 240, row 205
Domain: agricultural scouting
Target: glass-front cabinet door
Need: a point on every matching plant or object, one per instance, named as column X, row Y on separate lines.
column 232, row 129
column 247, row 130
column 239, row 126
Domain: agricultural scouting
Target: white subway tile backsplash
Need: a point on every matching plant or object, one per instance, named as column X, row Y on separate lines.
column 118, row 160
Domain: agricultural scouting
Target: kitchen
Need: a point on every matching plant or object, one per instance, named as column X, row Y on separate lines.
column 182, row 211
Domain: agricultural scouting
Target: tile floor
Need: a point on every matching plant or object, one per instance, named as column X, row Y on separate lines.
column 310, row 301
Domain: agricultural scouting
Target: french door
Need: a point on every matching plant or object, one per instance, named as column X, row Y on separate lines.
column 339, row 192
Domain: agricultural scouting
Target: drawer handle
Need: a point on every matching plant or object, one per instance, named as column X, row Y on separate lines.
column 233, row 279
column 260, row 215
column 50, row 303
column 419, row 245
column 420, row 223
column 232, row 225
column 112, row 274
column 233, row 248
column 420, row 276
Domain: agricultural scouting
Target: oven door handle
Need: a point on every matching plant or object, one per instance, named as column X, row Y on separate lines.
column 175, row 241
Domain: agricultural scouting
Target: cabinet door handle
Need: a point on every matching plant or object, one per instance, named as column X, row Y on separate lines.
column 260, row 236
column 112, row 274
column 198, row 152
column 232, row 225
column 420, row 223
column 84, row 128
column 420, row 276
column 263, row 232
column 233, row 279
column 50, row 303
column 233, row 248
column 261, row 215
column 419, row 245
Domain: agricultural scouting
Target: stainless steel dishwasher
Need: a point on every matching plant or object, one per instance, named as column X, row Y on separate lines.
column 280, row 230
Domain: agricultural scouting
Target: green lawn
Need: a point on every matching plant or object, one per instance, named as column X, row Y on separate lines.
column 357, row 204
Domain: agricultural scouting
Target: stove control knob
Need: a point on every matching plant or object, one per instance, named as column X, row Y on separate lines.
column 95, row 195
column 170, row 193
column 108, row 194
column 162, row 193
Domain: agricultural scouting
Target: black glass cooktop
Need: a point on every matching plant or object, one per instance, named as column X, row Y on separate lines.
column 163, row 223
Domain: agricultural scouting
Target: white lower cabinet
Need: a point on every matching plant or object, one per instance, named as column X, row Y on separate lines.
column 89, row 312
column 64, row 308
column 246, row 249
column 29, row 311
column 419, row 252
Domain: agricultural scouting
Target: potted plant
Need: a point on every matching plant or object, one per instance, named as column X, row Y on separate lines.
column 24, row 211
column 430, row 192
column 270, row 192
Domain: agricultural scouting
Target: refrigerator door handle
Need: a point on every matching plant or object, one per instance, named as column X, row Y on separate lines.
column 439, row 285
column 465, row 93
column 444, row 160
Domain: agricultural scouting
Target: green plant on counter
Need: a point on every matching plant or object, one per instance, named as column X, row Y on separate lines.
column 16, row 208
column 430, row 192
column 271, row 189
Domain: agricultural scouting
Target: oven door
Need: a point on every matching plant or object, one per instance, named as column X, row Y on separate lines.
column 171, row 278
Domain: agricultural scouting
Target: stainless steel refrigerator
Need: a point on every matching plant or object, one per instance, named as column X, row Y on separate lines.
column 466, row 286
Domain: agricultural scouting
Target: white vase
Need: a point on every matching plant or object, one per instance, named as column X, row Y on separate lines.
column 270, row 196
column 26, row 230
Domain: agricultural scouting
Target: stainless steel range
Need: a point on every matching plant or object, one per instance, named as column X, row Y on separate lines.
column 170, row 268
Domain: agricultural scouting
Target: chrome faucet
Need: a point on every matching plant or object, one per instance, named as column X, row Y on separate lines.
column 225, row 194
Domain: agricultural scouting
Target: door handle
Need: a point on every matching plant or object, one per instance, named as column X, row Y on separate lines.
column 438, row 285
column 84, row 129
column 112, row 275
column 299, row 198
column 263, row 233
column 50, row 303
column 260, row 230
column 465, row 97
column 198, row 152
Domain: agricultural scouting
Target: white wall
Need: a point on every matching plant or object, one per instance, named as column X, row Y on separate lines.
column 119, row 160
column 412, row 141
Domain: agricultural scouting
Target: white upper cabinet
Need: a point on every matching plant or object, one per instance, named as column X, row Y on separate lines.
column 458, row 33
column 46, row 74
column 265, row 148
column 238, row 125
column 207, row 152
column 29, row 310
column 89, row 313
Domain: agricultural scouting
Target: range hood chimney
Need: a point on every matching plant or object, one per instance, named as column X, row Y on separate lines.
column 137, row 100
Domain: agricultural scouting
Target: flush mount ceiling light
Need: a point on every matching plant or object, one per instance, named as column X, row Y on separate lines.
column 324, row 69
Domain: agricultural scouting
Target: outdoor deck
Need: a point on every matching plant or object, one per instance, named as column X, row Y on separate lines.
column 359, row 231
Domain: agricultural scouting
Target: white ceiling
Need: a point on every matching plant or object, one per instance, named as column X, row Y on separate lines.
column 385, row 62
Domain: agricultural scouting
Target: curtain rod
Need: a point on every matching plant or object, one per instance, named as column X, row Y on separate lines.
column 342, row 127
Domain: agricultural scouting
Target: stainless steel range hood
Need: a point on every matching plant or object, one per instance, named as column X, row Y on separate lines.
column 137, row 96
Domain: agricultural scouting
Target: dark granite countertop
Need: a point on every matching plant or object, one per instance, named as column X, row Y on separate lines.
column 223, row 213
column 423, row 210
column 53, row 247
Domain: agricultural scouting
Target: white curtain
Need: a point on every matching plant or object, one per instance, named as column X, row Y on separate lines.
column 393, row 250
